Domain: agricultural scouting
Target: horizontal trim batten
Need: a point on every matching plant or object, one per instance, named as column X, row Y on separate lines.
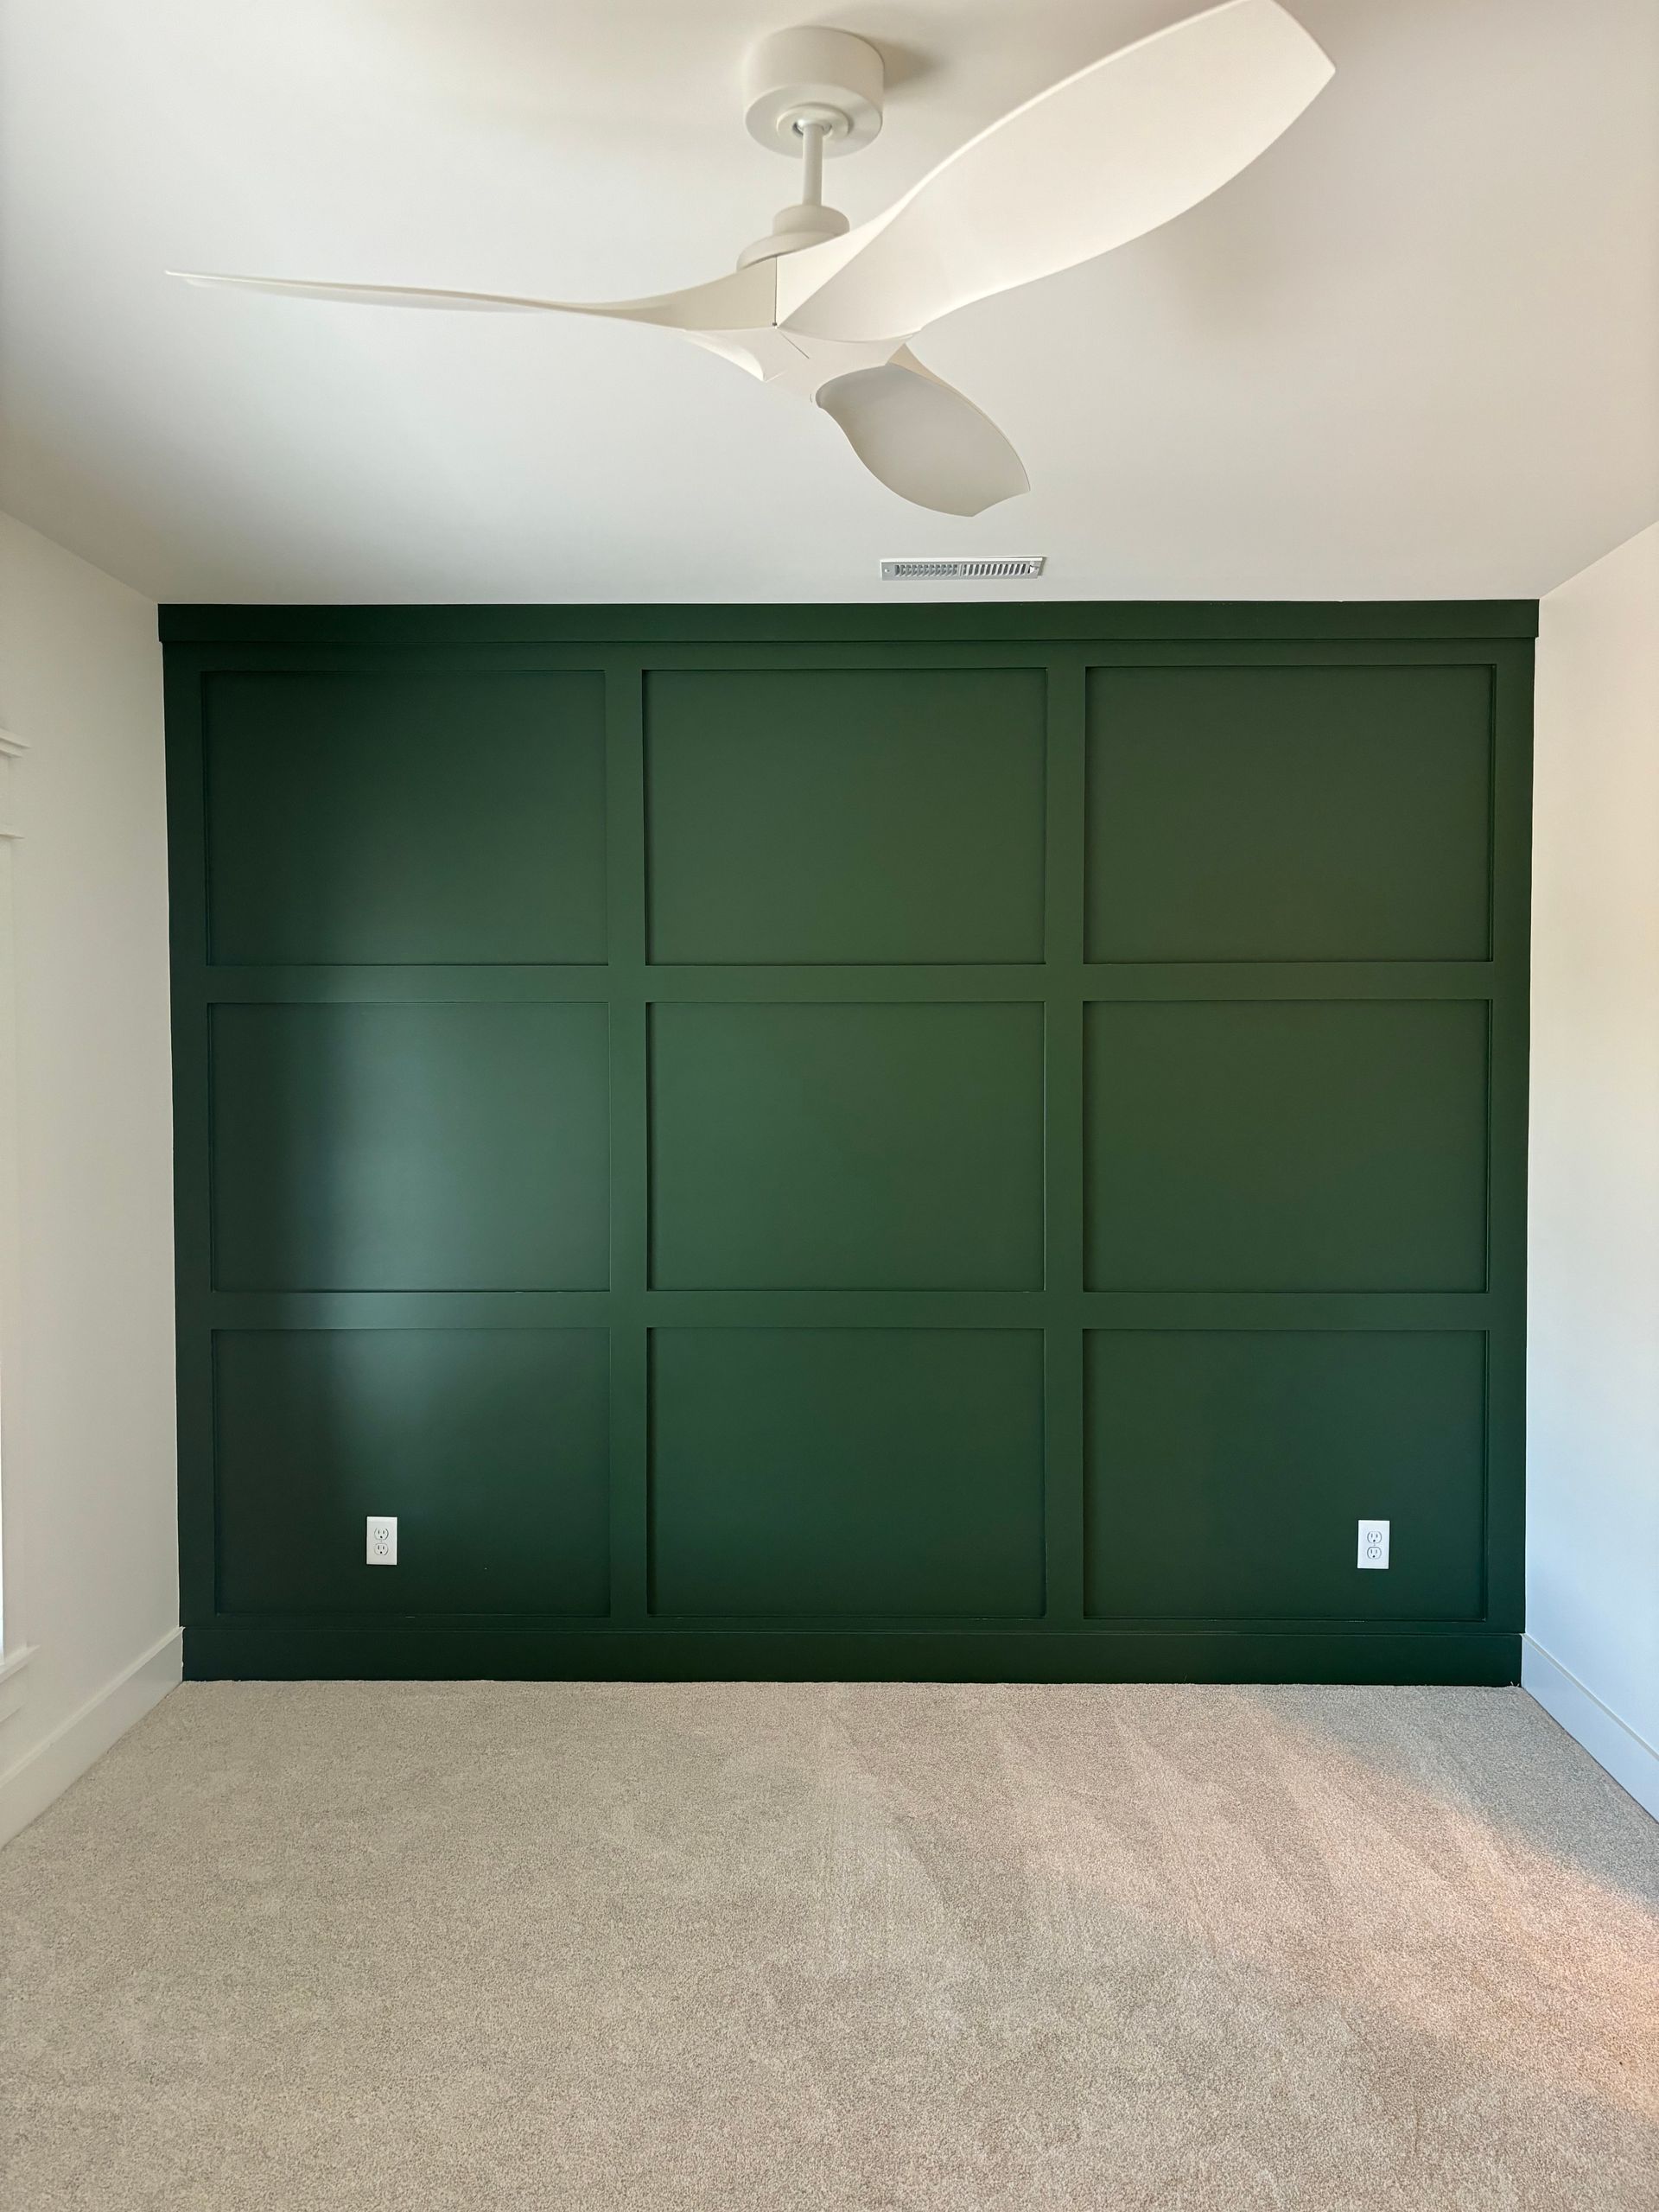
column 1291, row 1310
column 361, row 983
column 364, row 984
column 1053, row 1310
column 1458, row 1654
column 902, row 621
column 253, row 1310
column 1289, row 979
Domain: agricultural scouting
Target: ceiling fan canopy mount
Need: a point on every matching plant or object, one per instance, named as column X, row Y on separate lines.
column 810, row 94
column 825, row 311
column 822, row 76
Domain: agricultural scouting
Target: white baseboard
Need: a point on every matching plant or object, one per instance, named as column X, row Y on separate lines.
column 30, row 1786
column 1612, row 1743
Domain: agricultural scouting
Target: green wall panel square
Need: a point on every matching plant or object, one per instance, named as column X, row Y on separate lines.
column 1322, row 1145
column 820, row 815
column 448, row 816
column 434, row 1147
column 847, row 1148
column 1289, row 813
column 488, row 1445
column 1227, row 1473
column 847, row 1471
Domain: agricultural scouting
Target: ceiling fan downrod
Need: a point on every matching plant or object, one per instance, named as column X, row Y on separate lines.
column 811, row 130
column 810, row 94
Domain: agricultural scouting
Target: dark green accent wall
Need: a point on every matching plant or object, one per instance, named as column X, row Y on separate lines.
column 962, row 1142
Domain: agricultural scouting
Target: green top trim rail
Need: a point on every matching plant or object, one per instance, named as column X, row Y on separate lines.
column 901, row 621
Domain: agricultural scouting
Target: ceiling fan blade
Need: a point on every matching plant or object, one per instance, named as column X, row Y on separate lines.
column 745, row 297
column 922, row 439
column 1124, row 145
column 371, row 296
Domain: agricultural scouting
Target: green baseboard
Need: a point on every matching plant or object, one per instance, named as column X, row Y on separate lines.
column 296, row 1653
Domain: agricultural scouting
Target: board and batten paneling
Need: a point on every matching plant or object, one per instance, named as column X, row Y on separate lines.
column 958, row 1143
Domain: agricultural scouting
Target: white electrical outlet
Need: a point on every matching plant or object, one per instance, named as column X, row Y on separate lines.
column 1373, row 1543
column 382, row 1540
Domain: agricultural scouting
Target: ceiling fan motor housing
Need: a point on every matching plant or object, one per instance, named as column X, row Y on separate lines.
column 804, row 224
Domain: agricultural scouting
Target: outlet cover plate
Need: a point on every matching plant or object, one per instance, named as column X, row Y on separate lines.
column 382, row 1540
column 1374, row 1544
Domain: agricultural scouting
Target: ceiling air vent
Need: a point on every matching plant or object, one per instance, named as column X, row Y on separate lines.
column 955, row 572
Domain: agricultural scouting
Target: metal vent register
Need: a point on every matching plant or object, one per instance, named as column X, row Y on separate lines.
column 958, row 571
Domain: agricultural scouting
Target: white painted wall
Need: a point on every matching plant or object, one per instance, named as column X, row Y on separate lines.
column 1593, row 1513
column 86, row 1407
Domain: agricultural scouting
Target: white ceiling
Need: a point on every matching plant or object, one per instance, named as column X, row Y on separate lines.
column 1413, row 352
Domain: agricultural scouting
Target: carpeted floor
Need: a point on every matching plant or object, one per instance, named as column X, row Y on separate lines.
column 833, row 1949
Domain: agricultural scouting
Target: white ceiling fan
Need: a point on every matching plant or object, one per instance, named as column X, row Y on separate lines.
column 826, row 312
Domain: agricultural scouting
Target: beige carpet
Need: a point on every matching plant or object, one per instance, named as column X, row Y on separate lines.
column 833, row 1949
